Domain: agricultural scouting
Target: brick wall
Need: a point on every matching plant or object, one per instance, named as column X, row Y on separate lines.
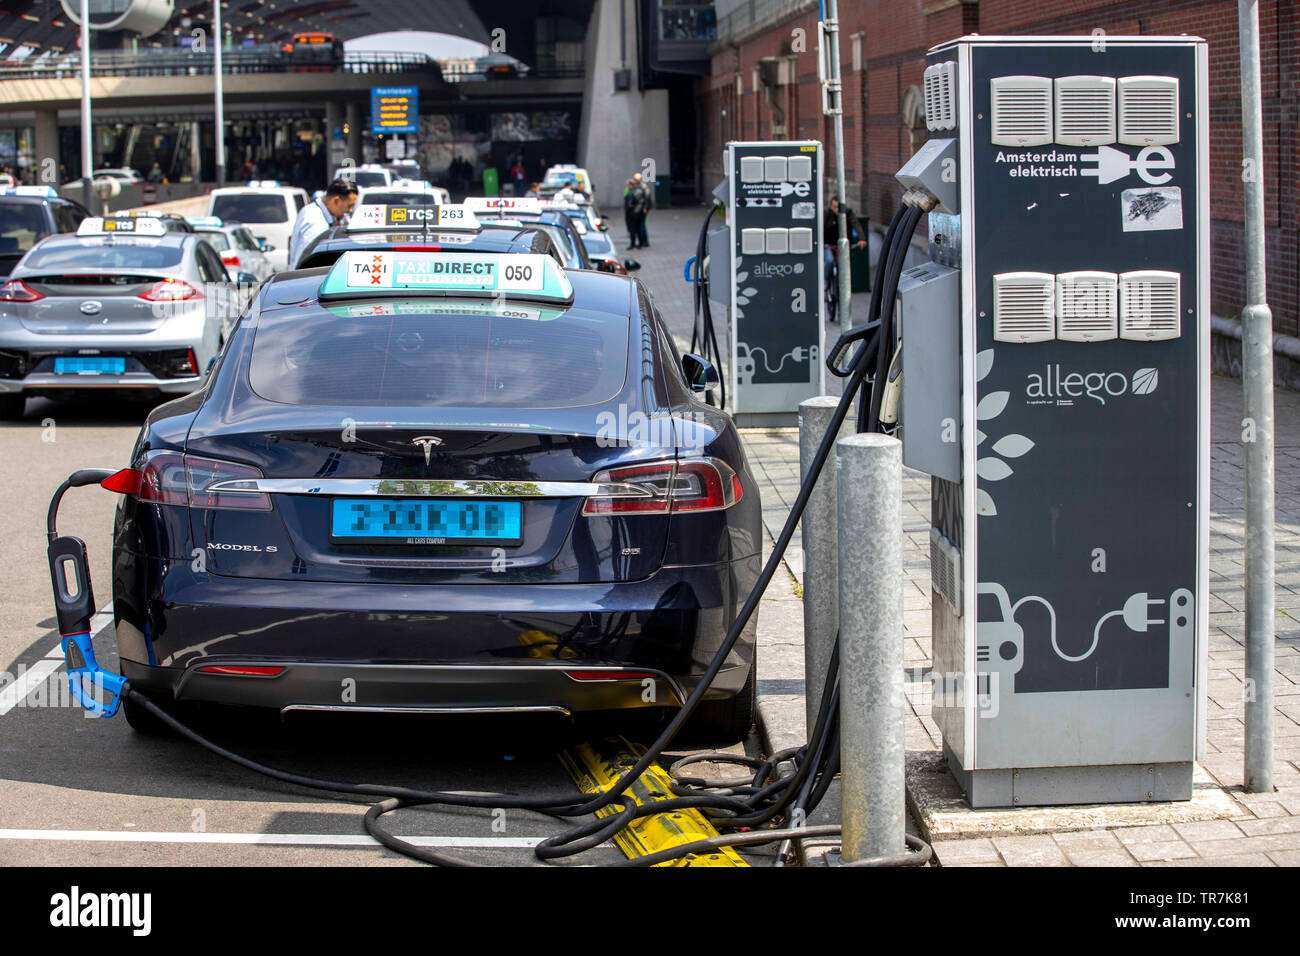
column 894, row 35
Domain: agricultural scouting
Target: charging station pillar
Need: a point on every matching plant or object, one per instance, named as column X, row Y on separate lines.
column 1056, row 387
column 774, row 215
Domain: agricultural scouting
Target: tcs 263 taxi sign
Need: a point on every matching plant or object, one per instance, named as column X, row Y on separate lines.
column 370, row 217
column 359, row 273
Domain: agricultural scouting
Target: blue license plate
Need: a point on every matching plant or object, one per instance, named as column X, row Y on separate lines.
column 425, row 521
column 89, row 365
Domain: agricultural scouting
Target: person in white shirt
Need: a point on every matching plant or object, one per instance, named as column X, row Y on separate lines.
column 565, row 195
column 317, row 217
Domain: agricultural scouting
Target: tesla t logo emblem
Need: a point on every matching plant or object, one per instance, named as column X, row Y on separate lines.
column 91, row 307
column 427, row 442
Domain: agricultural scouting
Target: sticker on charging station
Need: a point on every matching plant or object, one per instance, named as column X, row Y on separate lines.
column 1150, row 210
column 531, row 276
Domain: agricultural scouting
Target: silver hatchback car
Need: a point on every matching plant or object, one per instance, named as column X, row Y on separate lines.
column 123, row 306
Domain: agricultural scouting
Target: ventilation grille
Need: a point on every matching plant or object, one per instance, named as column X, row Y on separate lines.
column 1150, row 306
column 1085, row 110
column 1148, row 110
column 1023, row 307
column 1086, row 307
column 940, row 85
column 945, row 569
column 1022, row 110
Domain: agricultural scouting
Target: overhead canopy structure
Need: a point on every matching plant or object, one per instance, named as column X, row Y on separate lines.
column 41, row 25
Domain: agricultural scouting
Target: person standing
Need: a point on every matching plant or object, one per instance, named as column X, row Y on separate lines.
column 642, row 203
column 320, row 216
column 629, row 214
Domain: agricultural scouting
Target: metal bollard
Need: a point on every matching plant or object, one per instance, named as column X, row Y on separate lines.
column 821, row 612
column 870, row 512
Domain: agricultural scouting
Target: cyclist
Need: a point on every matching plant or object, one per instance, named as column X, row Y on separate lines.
column 830, row 248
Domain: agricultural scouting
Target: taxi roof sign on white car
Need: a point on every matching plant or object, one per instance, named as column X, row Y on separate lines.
column 132, row 225
column 524, row 204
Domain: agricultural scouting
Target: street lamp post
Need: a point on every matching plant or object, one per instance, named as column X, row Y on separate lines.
column 87, row 141
column 219, row 76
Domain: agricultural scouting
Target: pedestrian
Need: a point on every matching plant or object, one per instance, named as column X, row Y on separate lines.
column 629, row 214
column 520, row 176
column 320, row 216
column 642, row 203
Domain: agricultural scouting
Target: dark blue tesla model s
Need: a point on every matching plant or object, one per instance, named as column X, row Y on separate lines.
column 441, row 482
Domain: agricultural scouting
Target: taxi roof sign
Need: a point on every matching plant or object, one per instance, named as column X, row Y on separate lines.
column 363, row 274
column 45, row 192
column 373, row 217
column 204, row 220
column 125, row 225
column 524, row 204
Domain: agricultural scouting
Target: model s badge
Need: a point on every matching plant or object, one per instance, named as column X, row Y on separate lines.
column 427, row 442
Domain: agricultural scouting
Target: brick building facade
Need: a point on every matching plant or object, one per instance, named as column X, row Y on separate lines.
column 764, row 85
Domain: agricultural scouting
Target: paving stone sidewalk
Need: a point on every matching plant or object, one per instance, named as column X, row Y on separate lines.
column 1261, row 830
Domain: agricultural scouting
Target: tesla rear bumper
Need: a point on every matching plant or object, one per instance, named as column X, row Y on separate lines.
column 417, row 688
column 453, row 647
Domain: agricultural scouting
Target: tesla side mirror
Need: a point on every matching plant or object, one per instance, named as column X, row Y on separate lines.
column 247, row 279
column 700, row 373
column 631, row 265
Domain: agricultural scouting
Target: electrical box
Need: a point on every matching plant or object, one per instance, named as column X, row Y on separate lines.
column 774, row 218
column 1070, row 453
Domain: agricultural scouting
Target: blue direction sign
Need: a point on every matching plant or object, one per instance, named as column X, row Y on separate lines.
column 394, row 109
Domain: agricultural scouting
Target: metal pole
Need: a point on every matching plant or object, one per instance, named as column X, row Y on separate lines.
column 218, row 75
column 821, row 612
column 831, row 33
column 87, row 139
column 870, row 514
column 1257, row 382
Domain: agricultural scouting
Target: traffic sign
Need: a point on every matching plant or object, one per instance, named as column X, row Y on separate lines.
column 394, row 109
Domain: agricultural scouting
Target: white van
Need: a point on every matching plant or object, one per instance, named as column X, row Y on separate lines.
column 269, row 212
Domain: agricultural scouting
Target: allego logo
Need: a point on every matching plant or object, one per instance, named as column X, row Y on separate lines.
column 1054, row 385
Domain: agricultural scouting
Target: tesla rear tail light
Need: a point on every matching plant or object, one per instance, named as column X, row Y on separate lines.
column 693, row 484
column 170, row 478
column 16, row 290
column 171, row 290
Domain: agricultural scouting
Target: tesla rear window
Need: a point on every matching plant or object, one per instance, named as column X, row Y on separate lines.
column 425, row 354
column 85, row 257
column 251, row 207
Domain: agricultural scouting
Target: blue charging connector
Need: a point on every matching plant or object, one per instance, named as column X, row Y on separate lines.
column 92, row 687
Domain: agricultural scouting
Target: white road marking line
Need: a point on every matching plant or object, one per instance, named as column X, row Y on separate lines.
column 26, row 682
column 264, row 839
column 11, row 695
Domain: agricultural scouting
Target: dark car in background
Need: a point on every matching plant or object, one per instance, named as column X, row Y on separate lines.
column 30, row 213
column 466, row 483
